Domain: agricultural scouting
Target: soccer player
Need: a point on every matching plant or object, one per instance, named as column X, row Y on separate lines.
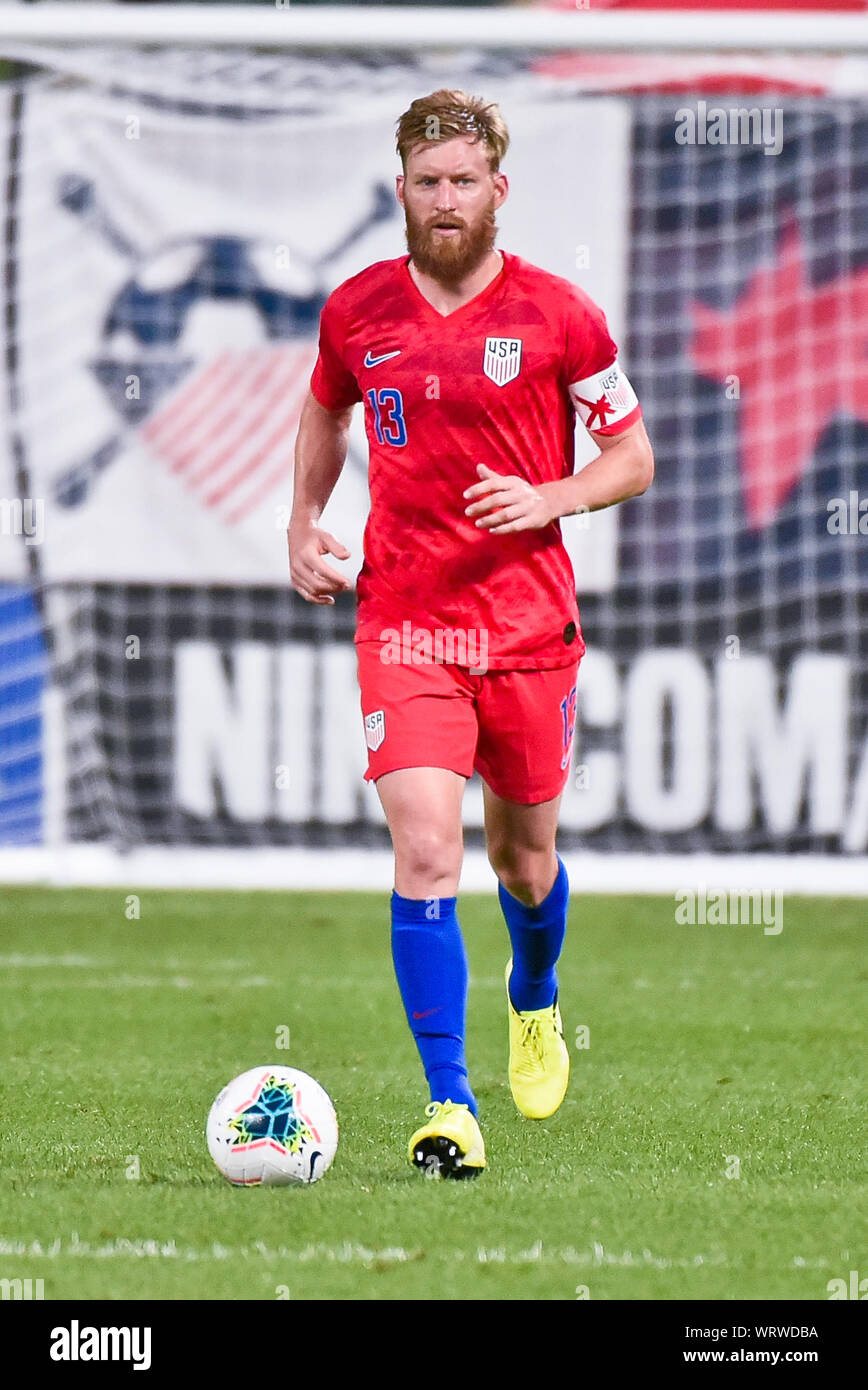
column 472, row 365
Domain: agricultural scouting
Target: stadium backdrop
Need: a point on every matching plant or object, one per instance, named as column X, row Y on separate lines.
column 173, row 240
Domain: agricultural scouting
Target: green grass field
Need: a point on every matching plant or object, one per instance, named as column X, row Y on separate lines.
column 707, row 1044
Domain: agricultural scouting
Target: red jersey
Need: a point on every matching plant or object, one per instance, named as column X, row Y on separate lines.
column 498, row 381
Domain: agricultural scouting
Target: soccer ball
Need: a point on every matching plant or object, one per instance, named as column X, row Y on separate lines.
column 272, row 1126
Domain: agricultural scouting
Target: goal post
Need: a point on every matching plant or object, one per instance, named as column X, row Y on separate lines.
column 170, row 711
column 400, row 28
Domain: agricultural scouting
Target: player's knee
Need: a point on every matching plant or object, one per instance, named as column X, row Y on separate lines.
column 525, row 873
column 431, row 860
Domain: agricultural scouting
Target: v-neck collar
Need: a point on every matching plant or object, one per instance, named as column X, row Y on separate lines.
column 473, row 303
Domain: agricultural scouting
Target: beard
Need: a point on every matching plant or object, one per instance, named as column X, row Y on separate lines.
column 450, row 259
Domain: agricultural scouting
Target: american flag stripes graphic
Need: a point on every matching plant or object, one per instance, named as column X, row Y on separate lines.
column 227, row 432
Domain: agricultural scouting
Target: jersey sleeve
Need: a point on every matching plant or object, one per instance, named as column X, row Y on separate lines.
column 332, row 382
column 602, row 395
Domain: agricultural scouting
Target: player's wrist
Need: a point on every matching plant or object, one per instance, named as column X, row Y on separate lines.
column 306, row 519
column 557, row 495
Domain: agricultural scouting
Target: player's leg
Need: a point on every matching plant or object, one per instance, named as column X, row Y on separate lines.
column 421, row 730
column 533, row 891
column 534, row 896
column 423, row 812
column 525, row 742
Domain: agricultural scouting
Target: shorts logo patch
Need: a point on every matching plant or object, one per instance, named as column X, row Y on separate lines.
column 375, row 729
column 502, row 360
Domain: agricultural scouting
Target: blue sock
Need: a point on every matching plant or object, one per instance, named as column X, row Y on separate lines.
column 431, row 968
column 537, row 935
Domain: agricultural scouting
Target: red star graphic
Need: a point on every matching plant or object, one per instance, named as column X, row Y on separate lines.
column 801, row 358
column 600, row 407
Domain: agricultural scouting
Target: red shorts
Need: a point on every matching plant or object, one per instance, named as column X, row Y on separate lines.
column 515, row 728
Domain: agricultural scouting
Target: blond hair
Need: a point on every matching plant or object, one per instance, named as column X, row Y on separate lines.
column 446, row 114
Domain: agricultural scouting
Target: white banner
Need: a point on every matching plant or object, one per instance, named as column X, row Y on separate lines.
column 173, row 265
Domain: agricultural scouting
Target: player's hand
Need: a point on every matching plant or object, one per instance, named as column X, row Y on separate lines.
column 315, row 581
column 501, row 505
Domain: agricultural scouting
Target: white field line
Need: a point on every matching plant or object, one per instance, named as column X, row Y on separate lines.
column 595, row 1257
column 204, row 976
column 181, row 982
column 69, row 961
column 117, row 979
column 18, row 961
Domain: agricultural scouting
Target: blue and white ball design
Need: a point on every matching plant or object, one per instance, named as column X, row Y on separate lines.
column 272, row 1126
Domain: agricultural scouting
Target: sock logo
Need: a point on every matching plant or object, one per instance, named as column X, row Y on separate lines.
column 426, row 1013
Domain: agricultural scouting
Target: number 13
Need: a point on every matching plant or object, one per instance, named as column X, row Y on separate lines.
column 388, row 410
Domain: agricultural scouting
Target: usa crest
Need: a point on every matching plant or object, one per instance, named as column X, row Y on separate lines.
column 375, row 729
column 617, row 388
column 502, row 360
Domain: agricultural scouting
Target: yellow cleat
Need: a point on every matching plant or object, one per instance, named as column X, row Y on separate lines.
column 450, row 1145
column 539, row 1063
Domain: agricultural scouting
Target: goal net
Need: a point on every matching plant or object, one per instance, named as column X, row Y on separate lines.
column 176, row 216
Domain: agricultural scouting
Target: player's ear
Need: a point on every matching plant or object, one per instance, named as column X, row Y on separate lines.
column 399, row 188
column 501, row 188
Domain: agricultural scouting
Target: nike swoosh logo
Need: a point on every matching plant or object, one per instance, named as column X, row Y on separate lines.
column 375, row 361
column 426, row 1013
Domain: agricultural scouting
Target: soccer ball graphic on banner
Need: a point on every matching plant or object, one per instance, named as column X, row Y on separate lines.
column 272, row 1126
